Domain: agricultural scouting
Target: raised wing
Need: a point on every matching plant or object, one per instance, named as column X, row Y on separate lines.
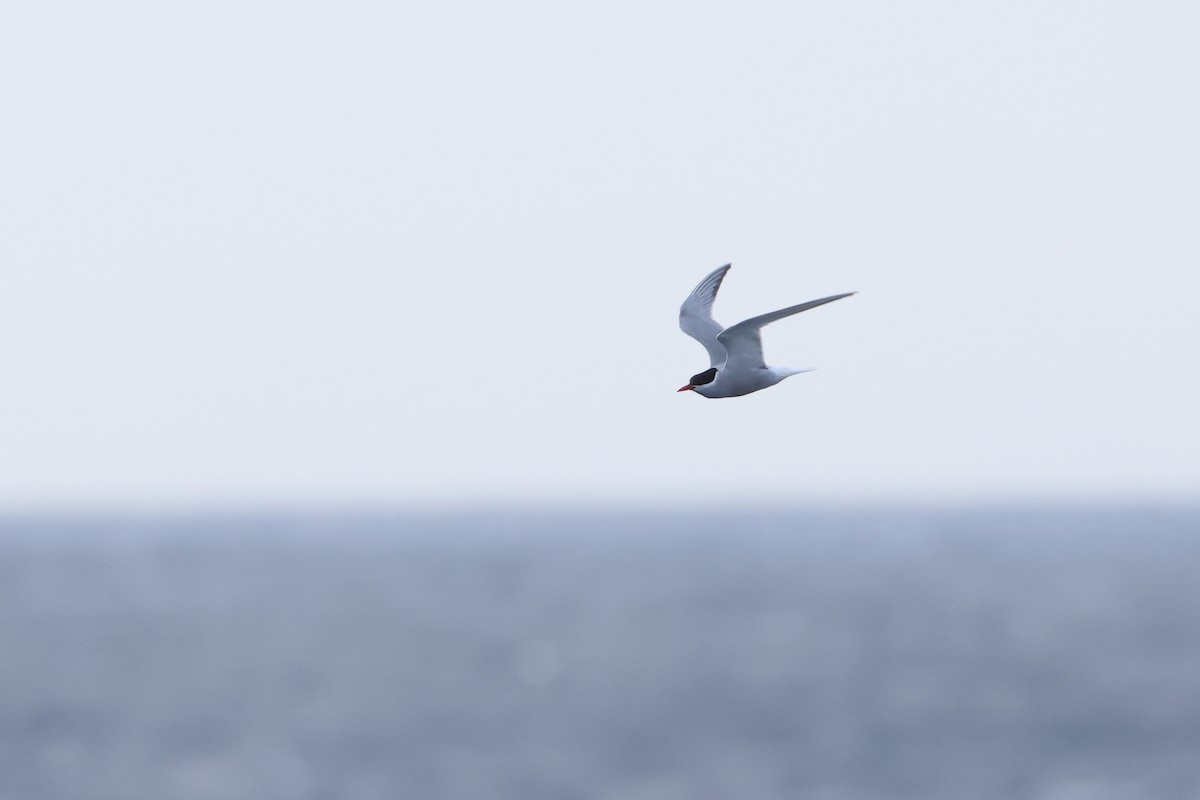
column 743, row 342
column 695, row 315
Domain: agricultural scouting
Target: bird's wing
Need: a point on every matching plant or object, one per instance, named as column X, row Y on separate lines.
column 695, row 315
column 743, row 342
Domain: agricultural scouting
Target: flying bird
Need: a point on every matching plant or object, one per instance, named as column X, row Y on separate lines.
column 735, row 353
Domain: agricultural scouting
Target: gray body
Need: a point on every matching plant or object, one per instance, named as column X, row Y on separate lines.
column 735, row 384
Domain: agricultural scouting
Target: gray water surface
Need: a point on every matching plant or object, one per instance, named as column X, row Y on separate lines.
column 567, row 656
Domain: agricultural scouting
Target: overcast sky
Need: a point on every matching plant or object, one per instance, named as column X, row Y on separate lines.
column 272, row 253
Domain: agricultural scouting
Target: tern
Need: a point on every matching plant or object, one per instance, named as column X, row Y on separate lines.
column 736, row 365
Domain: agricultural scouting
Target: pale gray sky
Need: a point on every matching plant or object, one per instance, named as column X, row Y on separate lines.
column 395, row 253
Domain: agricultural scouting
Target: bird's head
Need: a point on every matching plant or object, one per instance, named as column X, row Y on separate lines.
column 699, row 380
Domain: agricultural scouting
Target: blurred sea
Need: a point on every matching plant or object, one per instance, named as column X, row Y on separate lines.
column 560, row 656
